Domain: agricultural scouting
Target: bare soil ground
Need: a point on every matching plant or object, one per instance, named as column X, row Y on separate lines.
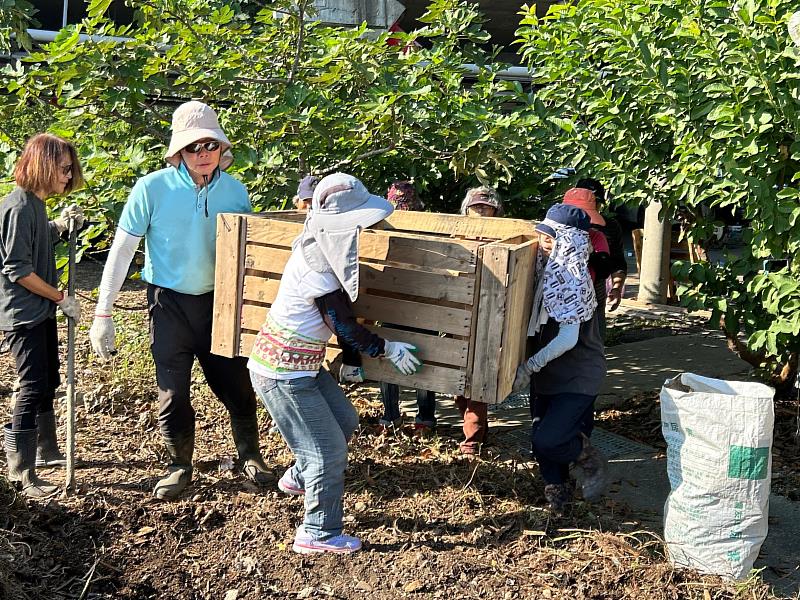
column 434, row 524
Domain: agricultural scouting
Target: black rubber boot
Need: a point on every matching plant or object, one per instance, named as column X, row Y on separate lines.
column 181, row 450
column 245, row 436
column 21, row 456
column 559, row 496
column 47, row 452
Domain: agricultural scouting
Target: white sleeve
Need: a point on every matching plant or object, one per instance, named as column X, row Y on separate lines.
column 565, row 341
column 116, row 270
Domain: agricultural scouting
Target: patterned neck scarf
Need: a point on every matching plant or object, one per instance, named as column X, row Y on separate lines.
column 564, row 289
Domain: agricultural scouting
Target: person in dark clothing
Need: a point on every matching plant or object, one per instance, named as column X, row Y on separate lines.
column 29, row 296
column 616, row 266
column 568, row 363
column 403, row 196
column 175, row 210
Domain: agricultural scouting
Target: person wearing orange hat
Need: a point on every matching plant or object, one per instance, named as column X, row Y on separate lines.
column 587, row 195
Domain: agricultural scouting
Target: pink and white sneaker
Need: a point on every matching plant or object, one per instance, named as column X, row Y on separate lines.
column 340, row 544
column 288, row 485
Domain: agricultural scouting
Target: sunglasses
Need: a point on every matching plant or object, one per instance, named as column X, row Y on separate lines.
column 197, row 146
column 66, row 169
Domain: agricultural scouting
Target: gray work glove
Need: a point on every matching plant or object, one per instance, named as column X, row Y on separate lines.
column 401, row 354
column 522, row 379
column 102, row 336
column 70, row 306
column 74, row 212
column 351, row 374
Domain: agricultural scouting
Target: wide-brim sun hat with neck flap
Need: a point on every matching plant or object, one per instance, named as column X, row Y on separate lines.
column 194, row 121
column 341, row 207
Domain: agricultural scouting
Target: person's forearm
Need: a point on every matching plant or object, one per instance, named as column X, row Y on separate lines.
column 36, row 285
column 618, row 280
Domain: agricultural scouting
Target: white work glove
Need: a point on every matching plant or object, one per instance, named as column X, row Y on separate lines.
column 74, row 212
column 351, row 374
column 402, row 356
column 102, row 336
column 522, row 380
column 70, row 306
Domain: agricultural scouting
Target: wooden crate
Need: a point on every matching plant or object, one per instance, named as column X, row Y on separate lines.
column 466, row 281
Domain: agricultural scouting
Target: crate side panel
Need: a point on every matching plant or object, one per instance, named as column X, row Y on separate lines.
column 488, row 335
column 227, row 285
column 519, row 298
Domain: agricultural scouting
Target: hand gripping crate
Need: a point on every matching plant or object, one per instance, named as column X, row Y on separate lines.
column 465, row 282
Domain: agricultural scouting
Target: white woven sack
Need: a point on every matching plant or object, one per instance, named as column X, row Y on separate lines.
column 719, row 461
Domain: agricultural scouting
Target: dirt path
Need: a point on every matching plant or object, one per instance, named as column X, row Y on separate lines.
column 434, row 524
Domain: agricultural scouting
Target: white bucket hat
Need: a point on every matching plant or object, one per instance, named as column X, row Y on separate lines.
column 340, row 209
column 193, row 121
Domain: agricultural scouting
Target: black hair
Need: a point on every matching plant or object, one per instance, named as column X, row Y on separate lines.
column 594, row 186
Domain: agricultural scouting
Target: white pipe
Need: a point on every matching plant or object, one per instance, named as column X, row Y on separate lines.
column 64, row 16
column 41, row 35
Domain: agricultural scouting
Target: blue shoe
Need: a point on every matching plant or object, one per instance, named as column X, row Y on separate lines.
column 288, row 485
column 340, row 544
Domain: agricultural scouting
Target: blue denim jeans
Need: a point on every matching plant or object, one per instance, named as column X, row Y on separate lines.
column 316, row 419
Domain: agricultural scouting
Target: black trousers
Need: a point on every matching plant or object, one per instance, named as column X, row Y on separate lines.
column 35, row 351
column 558, row 421
column 180, row 331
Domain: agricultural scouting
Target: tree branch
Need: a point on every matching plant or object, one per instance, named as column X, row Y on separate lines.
column 300, row 35
column 355, row 159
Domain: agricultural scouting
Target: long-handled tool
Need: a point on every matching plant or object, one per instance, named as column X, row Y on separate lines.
column 69, row 487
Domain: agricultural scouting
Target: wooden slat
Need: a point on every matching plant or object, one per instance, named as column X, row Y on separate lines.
column 519, row 298
column 457, row 225
column 418, row 283
column 430, row 377
column 488, row 334
column 263, row 258
column 425, row 252
column 455, row 321
column 437, row 287
column 260, row 288
column 443, row 319
column 444, row 351
column 273, row 231
column 227, row 285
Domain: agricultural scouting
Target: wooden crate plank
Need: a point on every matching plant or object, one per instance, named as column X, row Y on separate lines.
column 445, row 319
column 437, row 287
column 421, row 251
column 487, row 339
column 519, row 298
column 227, row 285
column 259, row 288
column 264, row 258
column 444, row 351
column 430, row 377
column 273, row 231
column 457, row 225
column 414, row 282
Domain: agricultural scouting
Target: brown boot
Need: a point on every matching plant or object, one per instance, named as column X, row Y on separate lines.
column 476, row 424
column 594, row 470
column 20, row 449
column 559, row 496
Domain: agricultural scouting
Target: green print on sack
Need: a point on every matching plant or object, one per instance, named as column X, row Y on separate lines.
column 745, row 462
